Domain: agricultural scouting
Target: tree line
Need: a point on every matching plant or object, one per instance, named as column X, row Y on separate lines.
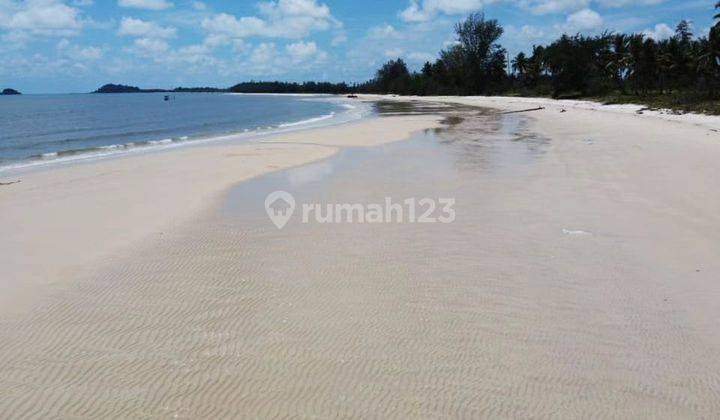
column 290, row 87
column 570, row 66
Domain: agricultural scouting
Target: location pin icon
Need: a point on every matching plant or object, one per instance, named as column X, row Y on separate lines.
column 280, row 206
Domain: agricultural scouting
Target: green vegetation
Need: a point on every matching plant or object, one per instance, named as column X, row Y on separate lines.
column 111, row 88
column 245, row 87
column 680, row 73
column 287, row 87
column 680, row 102
column 474, row 66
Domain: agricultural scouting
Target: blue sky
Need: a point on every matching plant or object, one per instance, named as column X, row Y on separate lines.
column 76, row 45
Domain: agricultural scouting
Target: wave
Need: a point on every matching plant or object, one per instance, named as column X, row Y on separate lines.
column 307, row 121
column 74, row 155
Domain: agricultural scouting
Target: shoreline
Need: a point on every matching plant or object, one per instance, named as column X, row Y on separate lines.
column 58, row 221
column 513, row 103
column 578, row 278
column 70, row 157
column 58, row 211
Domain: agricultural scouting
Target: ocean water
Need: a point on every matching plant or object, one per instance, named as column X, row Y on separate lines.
column 41, row 129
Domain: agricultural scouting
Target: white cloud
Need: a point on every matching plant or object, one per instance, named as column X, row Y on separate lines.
column 146, row 4
column 516, row 38
column 418, row 11
column 13, row 40
column 264, row 54
column 383, row 32
column 393, row 52
column 88, row 53
column 279, row 19
column 542, row 7
column 198, row 5
column 304, row 52
column 145, row 29
column 149, row 47
column 528, row 32
column 623, row 3
column 339, row 38
column 75, row 52
column 40, row 17
column 301, row 8
column 420, row 57
column 660, row 32
column 415, row 13
column 232, row 27
column 267, row 59
column 195, row 54
column 583, row 20
column 425, row 10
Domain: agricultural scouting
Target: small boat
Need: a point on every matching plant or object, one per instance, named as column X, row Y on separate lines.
column 167, row 97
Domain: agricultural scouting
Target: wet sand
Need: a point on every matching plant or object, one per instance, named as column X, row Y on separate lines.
column 568, row 286
column 57, row 222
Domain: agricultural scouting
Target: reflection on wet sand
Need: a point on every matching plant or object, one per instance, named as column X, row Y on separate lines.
column 499, row 314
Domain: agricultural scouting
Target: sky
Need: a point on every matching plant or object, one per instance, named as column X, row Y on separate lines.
column 56, row 46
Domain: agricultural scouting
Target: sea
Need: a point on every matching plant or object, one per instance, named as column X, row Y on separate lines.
column 39, row 130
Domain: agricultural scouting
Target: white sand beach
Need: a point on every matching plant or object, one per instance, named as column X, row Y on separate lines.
column 57, row 221
column 579, row 280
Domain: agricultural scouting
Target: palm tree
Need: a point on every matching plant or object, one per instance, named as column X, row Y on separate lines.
column 667, row 50
column 536, row 65
column 715, row 37
column 619, row 60
column 706, row 64
column 520, row 65
column 708, row 60
column 648, row 66
column 635, row 47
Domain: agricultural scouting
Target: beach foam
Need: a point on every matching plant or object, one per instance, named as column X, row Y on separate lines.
column 114, row 150
column 308, row 121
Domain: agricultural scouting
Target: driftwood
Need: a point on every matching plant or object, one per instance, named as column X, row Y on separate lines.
column 522, row 110
column 10, row 183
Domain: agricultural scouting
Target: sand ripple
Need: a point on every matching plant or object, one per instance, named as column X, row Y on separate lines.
column 231, row 318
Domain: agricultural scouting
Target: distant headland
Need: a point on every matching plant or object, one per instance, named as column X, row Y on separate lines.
column 113, row 88
column 245, row 87
column 9, row 91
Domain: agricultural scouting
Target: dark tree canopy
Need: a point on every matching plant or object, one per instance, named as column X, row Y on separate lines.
column 393, row 77
column 571, row 66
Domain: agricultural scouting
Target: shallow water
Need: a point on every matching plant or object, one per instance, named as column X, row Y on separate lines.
column 473, row 146
column 46, row 127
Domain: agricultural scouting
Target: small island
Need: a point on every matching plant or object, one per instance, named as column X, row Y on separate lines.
column 9, row 91
column 113, row 88
column 248, row 87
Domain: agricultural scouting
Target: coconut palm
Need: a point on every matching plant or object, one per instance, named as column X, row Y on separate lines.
column 520, row 66
column 619, row 60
